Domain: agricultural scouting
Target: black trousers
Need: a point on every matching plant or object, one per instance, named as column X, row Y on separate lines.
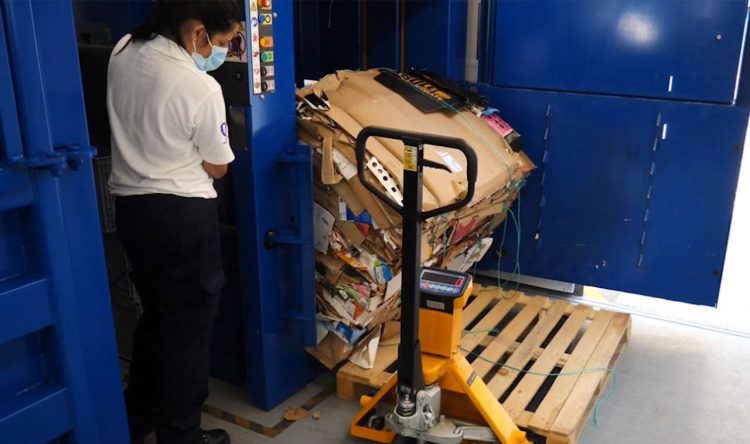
column 173, row 245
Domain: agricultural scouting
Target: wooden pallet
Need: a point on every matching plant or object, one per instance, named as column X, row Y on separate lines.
column 536, row 334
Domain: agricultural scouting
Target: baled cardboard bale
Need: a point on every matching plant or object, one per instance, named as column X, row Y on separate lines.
column 358, row 274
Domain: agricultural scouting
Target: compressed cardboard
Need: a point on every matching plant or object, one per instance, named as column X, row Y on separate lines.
column 351, row 232
column 359, row 280
column 345, row 193
column 364, row 354
column 365, row 101
column 331, row 351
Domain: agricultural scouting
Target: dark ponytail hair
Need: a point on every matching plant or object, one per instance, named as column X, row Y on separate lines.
column 167, row 16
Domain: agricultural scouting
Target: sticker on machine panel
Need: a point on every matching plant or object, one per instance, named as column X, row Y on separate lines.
column 472, row 377
column 410, row 158
column 238, row 46
column 435, row 305
column 255, row 48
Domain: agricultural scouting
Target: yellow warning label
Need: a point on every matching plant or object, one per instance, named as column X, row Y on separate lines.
column 410, row 158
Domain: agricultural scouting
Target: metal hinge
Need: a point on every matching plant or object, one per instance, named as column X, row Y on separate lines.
column 68, row 156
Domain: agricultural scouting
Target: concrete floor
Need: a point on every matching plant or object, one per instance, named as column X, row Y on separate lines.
column 675, row 384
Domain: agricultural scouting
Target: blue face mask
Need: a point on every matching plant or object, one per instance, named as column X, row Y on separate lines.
column 210, row 63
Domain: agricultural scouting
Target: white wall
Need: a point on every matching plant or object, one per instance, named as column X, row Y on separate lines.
column 734, row 298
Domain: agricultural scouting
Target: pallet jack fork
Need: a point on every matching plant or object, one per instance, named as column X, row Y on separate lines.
column 432, row 301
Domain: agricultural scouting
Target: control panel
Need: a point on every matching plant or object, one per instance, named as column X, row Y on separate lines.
column 261, row 46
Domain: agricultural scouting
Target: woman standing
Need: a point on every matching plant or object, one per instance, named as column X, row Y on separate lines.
column 169, row 141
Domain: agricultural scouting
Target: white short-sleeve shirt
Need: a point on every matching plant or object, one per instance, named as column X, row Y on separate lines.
column 167, row 117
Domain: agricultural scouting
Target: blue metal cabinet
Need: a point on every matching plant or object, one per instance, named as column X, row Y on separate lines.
column 629, row 194
column 59, row 375
column 687, row 49
column 635, row 114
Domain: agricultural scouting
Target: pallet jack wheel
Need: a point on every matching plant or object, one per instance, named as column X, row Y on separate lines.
column 374, row 421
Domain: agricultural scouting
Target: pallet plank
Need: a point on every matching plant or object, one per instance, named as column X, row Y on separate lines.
column 475, row 308
column 563, row 359
column 488, row 322
column 572, row 438
column 483, row 363
column 548, row 319
column 546, row 361
column 547, row 412
column 572, row 413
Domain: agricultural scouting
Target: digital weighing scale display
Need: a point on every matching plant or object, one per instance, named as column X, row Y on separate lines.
column 443, row 283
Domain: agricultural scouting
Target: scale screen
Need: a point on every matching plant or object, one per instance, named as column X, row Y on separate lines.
column 443, row 283
column 442, row 278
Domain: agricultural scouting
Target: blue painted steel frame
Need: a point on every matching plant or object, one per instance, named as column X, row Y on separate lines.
column 328, row 37
column 362, row 34
column 436, row 36
column 15, row 186
column 367, row 34
column 383, row 36
column 65, row 348
column 273, row 193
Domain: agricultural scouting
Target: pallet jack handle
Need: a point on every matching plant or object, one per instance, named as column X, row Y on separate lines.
column 410, row 375
column 418, row 404
column 417, row 140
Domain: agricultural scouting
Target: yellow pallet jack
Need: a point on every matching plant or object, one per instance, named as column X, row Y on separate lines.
column 433, row 377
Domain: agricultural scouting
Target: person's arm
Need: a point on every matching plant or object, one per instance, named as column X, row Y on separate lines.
column 215, row 171
column 211, row 136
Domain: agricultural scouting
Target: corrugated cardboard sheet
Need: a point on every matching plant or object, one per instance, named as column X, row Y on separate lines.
column 357, row 291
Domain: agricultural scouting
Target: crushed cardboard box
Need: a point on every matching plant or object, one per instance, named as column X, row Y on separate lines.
column 358, row 238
